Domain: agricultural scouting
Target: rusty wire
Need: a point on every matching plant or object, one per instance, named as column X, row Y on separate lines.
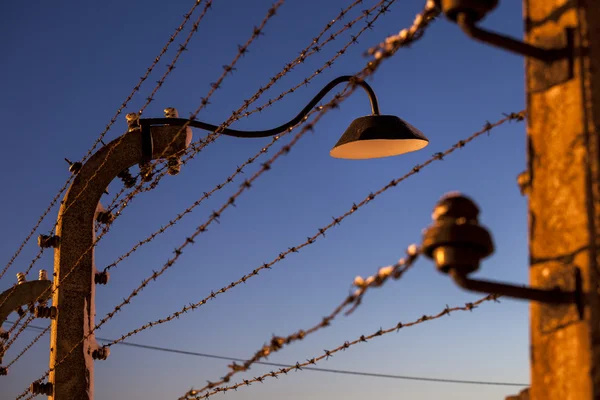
column 192, row 394
column 323, row 230
column 395, row 271
column 382, row 10
column 136, row 89
column 30, row 345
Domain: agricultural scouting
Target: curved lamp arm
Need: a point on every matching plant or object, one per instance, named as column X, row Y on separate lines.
column 270, row 132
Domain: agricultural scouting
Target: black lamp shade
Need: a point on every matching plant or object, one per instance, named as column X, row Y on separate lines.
column 377, row 136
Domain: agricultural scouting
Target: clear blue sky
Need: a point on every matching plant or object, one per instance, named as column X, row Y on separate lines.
column 67, row 66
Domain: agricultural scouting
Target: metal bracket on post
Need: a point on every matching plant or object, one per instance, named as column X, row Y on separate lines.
column 457, row 244
column 551, row 64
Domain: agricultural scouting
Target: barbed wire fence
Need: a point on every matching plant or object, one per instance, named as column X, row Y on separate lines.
column 333, row 104
column 256, row 33
column 100, row 138
column 382, row 52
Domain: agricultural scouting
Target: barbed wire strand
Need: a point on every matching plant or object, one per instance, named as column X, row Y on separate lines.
column 263, row 150
column 329, row 370
column 329, row 353
column 136, row 89
column 395, row 271
column 30, row 345
column 323, row 230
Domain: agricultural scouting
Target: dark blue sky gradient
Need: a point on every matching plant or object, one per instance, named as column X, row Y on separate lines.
column 67, row 66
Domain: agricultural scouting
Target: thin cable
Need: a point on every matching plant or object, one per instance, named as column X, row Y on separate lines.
column 329, row 353
column 335, row 371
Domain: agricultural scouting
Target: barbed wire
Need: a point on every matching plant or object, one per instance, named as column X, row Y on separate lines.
column 136, row 89
column 395, row 271
column 336, row 220
column 329, row 353
column 264, row 149
column 392, row 43
column 30, row 345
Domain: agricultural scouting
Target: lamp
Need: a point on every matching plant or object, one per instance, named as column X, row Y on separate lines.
column 372, row 136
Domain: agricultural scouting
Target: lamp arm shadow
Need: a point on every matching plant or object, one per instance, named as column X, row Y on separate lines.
column 280, row 129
